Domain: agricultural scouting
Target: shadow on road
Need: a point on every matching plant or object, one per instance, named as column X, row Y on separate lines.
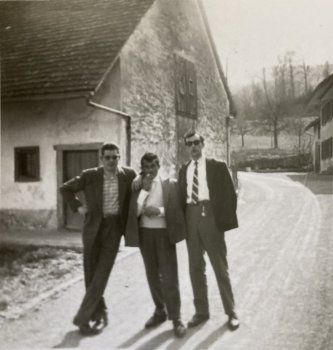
column 178, row 343
column 128, row 343
column 71, row 340
column 212, row 338
column 317, row 184
column 157, row 341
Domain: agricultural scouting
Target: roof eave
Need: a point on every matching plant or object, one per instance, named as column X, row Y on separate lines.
column 52, row 96
column 312, row 124
column 319, row 92
column 232, row 107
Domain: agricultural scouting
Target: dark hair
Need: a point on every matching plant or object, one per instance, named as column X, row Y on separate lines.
column 191, row 133
column 109, row 146
column 150, row 157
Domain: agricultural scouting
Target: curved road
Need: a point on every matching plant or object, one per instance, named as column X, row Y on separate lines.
column 281, row 266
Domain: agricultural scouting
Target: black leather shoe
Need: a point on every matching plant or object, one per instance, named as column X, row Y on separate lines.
column 197, row 319
column 233, row 322
column 179, row 328
column 85, row 329
column 101, row 322
column 155, row 320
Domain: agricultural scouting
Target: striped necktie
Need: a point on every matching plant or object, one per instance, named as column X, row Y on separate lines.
column 195, row 186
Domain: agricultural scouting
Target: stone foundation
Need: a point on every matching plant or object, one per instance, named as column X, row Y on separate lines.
column 12, row 219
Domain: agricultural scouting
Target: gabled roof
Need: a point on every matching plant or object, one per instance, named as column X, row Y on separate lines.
column 312, row 124
column 62, row 46
column 319, row 93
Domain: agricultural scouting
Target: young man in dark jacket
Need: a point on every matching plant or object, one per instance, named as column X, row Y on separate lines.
column 107, row 191
column 209, row 202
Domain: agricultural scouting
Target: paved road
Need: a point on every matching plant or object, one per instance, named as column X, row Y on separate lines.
column 281, row 265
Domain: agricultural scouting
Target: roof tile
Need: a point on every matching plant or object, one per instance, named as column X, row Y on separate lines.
column 58, row 46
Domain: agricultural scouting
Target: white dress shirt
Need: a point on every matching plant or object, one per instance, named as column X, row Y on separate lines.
column 203, row 192
column 154, row 197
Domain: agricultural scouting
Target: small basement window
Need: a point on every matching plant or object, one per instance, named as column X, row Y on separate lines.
column 26, row 164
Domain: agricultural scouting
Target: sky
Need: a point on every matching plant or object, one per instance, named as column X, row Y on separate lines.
column 251, row 34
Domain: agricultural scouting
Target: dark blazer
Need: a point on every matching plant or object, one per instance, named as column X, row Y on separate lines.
column 174, row 216
column 90, row 182
column 221, row 193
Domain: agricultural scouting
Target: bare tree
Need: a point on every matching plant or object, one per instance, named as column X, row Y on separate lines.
column 243, row 123
column 292, row 79
column 326, row 70
column 306, row 72
column 275, row 101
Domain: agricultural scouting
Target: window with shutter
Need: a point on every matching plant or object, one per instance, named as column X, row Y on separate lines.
column 186, row 87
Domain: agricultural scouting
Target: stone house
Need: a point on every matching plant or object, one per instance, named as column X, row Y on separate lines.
column 321, row 104
column 78, row 72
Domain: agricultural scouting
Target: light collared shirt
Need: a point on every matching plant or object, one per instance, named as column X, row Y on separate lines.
column 203, row 192
column 111, row 193
column 153, row 197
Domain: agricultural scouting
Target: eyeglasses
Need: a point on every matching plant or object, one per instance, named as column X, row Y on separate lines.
column 190, row 143
column 111, row 157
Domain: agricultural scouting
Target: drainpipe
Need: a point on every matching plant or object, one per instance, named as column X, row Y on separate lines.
column 228, row 121
column 227, row 126
column 124, row 116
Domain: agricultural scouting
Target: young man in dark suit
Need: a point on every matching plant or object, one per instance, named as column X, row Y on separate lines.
column 155, row 224
column 107, row 191
column 209, row 202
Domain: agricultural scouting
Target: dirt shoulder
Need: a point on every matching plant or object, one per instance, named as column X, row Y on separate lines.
column 29, row 273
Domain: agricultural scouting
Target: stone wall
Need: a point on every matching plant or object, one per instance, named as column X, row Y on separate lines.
column 148, row 83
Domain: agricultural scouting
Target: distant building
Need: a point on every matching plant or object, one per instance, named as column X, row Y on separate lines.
column 76, row 73
column 321, row 104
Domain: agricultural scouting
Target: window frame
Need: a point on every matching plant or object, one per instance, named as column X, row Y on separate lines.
column 25, row 150
column 327, row 149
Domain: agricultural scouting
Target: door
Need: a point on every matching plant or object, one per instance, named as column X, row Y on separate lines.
column 74, row 163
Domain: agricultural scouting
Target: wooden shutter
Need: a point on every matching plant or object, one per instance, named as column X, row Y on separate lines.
column 186, row 87
column 181, row 88
column 192, row 89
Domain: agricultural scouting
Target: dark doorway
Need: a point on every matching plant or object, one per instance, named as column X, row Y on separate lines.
column 74, row 161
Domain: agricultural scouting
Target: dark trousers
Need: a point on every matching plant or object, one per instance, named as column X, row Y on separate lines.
column 98, row 260
column 160, row 260
column 203, row 236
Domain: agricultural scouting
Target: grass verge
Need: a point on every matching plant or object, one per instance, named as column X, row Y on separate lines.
column 27, row 271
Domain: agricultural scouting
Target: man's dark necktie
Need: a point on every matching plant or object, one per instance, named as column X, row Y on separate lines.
column 195, row 186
